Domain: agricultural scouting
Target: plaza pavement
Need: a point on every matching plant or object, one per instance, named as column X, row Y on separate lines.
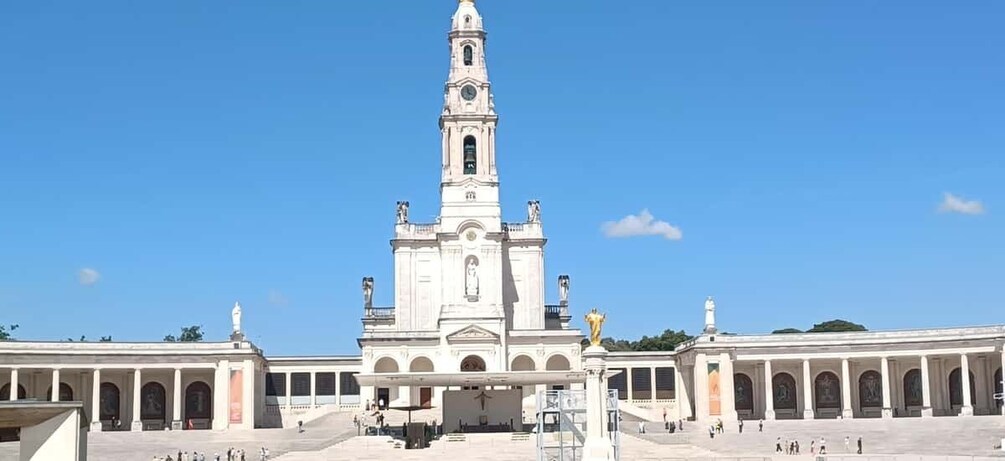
column 333, row 438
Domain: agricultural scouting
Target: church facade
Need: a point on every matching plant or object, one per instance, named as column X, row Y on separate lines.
column 470, row 322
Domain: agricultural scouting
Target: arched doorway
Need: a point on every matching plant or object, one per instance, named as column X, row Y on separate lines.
column 5, row 392
column 382, row 395
column 956, row 388
column 870, row 390
column 913, row 389
column 783, row 390
column 423, row 365
column 198, row 404
column 472, row 363
column 827, row 391
column 65, row 393
column 152, row 403
column 743, row 388
column 109, row 402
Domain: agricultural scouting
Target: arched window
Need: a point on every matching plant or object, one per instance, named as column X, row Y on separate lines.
column 743, row 389
column 5, row 392
column 65, row 393
column 828, row 390
column 783, row 388
column 109, row 396
column 472, row 363
column 469, row 55
column 470, row 155
column 956, row 388
column 198, row 401
column 913, row 388
column 152, row 404
column 870, row 389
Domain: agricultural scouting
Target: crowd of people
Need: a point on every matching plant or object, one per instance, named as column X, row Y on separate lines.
column 791, row 447
column 232, row 454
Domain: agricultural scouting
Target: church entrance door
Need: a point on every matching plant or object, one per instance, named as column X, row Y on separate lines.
column 383, row 397
column 426, row 397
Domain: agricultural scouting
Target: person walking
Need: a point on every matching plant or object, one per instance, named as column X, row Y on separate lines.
column 642, row 427
column 823, row 446
column 760, row 426
column 860, row 445
column 813, row 448
column 847, row 444
column 778, row 445
column 797, row 447
column 741, row 425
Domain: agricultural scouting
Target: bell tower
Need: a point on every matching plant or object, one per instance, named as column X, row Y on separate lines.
column 469, row 188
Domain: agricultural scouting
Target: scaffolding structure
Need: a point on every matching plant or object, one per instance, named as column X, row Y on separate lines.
column 561, row 424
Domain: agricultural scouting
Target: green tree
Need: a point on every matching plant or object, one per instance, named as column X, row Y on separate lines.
column 664, row 342
column 836, row 326
column 786, row 331
column 7, row 333
column 192, row 334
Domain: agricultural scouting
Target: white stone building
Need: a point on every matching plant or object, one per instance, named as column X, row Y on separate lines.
column 470, row 322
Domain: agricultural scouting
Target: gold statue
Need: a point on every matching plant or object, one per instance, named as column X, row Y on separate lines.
column 596, row 321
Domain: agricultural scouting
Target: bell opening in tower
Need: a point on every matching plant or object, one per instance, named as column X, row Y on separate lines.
column 468, row 55
column 470, row 154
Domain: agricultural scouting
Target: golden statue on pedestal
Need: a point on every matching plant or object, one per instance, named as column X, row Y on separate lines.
column 596, row 321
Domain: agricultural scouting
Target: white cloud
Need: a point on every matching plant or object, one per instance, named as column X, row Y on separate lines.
column 955, row 204
column 278, row 299
column 641, row 224
column 88, row 276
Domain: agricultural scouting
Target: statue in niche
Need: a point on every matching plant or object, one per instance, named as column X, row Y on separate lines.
column 533, row 211
column 709, row 315
column 368, row 292
column 235, row 317
column 402, row 217
column 563, row 290
column 471, row 278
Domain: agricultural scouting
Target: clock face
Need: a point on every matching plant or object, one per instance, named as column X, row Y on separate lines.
column 469, row 92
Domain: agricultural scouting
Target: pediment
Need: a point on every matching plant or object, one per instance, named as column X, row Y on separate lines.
column 473, row 333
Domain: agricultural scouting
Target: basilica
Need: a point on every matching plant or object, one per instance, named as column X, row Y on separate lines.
column 472, row 335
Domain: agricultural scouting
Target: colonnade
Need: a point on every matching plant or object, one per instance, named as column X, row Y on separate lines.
column 202, row 396
column 828, row 386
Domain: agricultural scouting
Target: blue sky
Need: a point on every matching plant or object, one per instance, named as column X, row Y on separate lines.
column 195, row 153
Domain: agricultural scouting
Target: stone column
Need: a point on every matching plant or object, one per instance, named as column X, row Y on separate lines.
column 681, row 394
column 629, row 384
column 808, row 412
column 701, row 395
column 338, row 389
column 769, row 396
column 968, row 408
column 727, row 391
column 221, row 396
column 137, row 423
column 846, row 411
column 652, row 386
column 885, row 370
column 14, row 382
column 289, row 389
column 926, row 389
column 176, row 424
column 597, row 446
column 96, row 400
column 314, row 393
column 55, row 385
